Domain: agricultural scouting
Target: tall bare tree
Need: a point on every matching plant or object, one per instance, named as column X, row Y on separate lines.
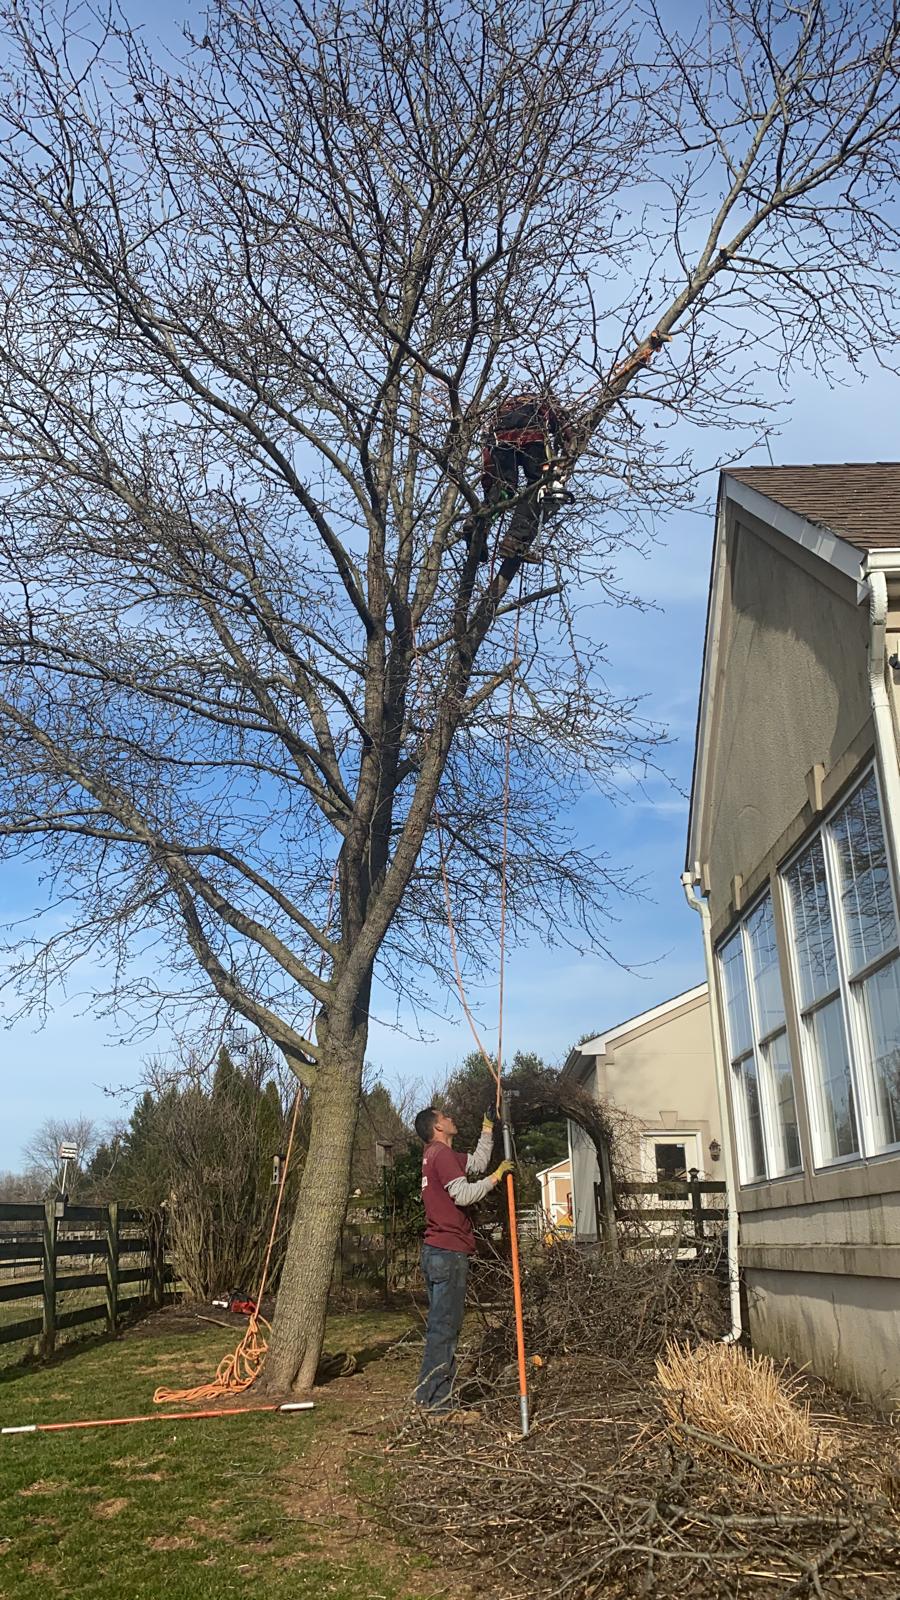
column 43, row 1163
column 257, row 306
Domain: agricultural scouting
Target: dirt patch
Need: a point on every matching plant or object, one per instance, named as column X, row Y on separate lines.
column 140, row 1469
column 183, row 1320
column 170, row 1541
column 41, row 1486
column 206, row 1530
column 111, row 1508
column 325, row 1490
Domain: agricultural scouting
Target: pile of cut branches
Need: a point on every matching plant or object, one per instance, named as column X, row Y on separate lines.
column 590, row 1303
column 631, row 1481
column 607, row 1498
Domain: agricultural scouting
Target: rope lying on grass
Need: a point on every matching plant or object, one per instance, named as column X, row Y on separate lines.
column 235, row 1372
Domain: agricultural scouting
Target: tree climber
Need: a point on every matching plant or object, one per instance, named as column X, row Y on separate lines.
column 448, row 1190
column 531, row 435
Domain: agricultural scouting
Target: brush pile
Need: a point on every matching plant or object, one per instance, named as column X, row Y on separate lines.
column 654, row 1467
column 579, row 1303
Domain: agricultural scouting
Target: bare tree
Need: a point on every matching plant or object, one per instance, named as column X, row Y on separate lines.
column 41, row 1152
column 20, row 1188
column 257, row 307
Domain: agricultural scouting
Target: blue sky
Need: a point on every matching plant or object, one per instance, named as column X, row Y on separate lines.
column 552, row 996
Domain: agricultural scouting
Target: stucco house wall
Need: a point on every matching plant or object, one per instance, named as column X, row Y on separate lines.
column 657, row 1070
column 792, row 693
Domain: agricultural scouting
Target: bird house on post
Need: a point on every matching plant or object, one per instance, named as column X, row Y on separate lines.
column 277, row 1169
column 384, row 1154
column 68, row 1151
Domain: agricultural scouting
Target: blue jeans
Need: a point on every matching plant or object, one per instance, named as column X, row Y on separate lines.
column 445, row 1273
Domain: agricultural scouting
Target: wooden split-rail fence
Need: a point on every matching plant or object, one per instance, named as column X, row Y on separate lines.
column 689, row 1214
column 75, row 1262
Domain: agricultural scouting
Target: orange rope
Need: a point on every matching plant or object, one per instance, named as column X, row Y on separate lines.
column 451, row 929
column 504, row 855
column 496, row 1072
column 238, row 1370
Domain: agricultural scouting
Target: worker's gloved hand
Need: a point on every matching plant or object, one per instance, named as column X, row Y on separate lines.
column 490, row 1115
column 500, row 1172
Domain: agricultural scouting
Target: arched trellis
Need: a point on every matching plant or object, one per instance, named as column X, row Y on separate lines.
column 537, row 1096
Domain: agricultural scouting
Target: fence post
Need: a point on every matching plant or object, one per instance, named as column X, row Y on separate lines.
column 112, row 1266
column 157, row 1229
column 50, row 1225
column 696, row 1208
column 608, row 1201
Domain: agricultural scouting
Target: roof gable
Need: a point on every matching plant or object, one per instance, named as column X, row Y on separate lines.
column 838, row 513
column 858, row 500
column 644, row 1019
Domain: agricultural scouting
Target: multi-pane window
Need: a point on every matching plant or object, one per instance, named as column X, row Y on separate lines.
column 844, row 935
column 821, row 1011
column 762, row 1081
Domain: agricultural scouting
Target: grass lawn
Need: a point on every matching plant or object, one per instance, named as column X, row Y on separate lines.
column 194, row 1509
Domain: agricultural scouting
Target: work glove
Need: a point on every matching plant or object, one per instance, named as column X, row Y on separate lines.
column 490, row 1115
column 500, row 1172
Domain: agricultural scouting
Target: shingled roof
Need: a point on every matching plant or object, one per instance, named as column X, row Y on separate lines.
column 859, row 501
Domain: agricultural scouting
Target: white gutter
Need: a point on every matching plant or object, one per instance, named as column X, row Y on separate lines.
column 698, row 904
column 882, row 714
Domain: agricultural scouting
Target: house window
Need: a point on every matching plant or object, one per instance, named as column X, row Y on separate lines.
column 670, row 1161
column 762, row 1080
column 847, row 964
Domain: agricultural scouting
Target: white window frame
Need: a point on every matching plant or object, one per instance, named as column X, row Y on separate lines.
column 849, row 989
column 689, row 1137
column 759, row 1042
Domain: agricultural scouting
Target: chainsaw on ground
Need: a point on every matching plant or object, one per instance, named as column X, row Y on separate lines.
column 236, row 1301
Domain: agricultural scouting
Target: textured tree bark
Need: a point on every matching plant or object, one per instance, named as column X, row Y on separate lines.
column 299, row 1325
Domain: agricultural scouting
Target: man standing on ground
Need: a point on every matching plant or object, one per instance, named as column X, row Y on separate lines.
column 448, row 1190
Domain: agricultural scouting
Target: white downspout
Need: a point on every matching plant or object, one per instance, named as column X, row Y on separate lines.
column 882, row 715
column 698, row 904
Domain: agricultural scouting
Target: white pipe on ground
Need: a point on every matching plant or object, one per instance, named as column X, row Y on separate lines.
column 698, row 904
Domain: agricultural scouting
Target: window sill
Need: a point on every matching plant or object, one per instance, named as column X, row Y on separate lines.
column 848, row 1179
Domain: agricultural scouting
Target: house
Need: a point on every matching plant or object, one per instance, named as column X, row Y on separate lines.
column 556, row 1193
column 792, row 861
column 657, row 1071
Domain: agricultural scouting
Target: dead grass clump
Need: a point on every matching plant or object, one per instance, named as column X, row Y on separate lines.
column 719, row 1395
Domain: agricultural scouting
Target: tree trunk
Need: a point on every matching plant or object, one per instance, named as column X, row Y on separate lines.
column 299, row 1325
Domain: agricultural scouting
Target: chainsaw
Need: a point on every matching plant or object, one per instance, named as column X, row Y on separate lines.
column 236, row 1301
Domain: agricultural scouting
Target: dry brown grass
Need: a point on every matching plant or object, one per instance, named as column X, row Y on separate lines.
column 721, row 1397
